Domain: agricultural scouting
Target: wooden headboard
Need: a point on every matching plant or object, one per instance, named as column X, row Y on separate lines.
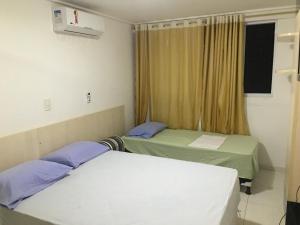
column 33, row 144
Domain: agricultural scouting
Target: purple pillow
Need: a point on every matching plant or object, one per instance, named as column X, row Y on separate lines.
column 27, row 179
column 76, row 153
column 147, row 130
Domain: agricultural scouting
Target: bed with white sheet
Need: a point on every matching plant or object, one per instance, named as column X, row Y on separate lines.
column 118, row 188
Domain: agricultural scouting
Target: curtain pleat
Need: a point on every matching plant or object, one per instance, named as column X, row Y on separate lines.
column 175, row 81
column 142, row 75
column 223, row 106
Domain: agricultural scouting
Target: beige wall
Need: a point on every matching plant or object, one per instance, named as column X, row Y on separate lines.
column 294, row 153
column 269, row 115
column 37, row 64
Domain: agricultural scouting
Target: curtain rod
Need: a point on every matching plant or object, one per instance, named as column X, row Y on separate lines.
column 247, row 13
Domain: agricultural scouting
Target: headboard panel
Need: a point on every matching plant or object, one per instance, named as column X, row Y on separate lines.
column 52, row 137
column 18, row 148
column 35, row 143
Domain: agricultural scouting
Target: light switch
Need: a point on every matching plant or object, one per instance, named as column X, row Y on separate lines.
column 47, row 104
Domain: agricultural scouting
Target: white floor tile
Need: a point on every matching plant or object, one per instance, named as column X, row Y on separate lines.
column 258, row 214
column 265, row 205
column 268, row 189
column 244, row 196
column 268, row 197
column 240, row 221
column 268, row 180
column 242, row 208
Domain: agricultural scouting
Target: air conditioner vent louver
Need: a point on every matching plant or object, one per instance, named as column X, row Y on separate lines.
column 79, row 33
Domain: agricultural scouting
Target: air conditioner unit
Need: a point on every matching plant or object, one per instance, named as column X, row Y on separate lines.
column 76, row 22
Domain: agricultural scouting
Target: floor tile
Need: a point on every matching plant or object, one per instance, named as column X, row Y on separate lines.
column 268, row 197
column 244, row 197
column 240, row 221
column 242, row 208
column 268, row 189
column 266, row 205
column 259, row 214
column 268, row 180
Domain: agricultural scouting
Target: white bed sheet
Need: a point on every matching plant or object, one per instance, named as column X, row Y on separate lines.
column 119, row 188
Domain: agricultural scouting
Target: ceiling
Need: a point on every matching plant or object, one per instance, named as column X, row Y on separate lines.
column 148, row 10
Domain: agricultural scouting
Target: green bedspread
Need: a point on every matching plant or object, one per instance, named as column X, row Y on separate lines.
column 238, row 152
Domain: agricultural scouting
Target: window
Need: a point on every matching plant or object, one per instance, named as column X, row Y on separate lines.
column 259, row 54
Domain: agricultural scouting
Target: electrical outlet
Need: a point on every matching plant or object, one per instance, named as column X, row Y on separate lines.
column 47, row 104
column 88, row 98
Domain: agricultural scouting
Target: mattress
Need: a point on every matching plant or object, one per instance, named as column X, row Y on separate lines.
column 238, row 151
column 119, row 188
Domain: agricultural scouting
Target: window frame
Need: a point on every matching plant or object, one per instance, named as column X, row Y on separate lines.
column 274, row 56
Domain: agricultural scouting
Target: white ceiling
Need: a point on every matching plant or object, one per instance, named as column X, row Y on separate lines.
column 148, row 10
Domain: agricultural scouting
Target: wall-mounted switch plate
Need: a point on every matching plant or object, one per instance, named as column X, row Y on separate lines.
column 47, row 104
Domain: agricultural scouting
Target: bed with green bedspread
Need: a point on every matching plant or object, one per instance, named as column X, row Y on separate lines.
column 238, row 151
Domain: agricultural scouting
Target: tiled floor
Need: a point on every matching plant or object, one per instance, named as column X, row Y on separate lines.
column 266, row 204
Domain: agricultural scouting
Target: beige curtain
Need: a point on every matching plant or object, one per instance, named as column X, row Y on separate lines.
column 142, row 74
column 175, row 65
column 189, row 71
column 222, row 104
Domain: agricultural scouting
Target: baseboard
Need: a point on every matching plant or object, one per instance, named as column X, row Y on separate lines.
column 280, row 169
column 272, row 168
column 293, row 213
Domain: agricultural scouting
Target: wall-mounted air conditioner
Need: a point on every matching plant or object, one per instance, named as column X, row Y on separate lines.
column 76, row 22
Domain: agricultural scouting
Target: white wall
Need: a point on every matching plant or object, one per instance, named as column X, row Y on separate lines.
column 269, row 116
column 36, row 64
